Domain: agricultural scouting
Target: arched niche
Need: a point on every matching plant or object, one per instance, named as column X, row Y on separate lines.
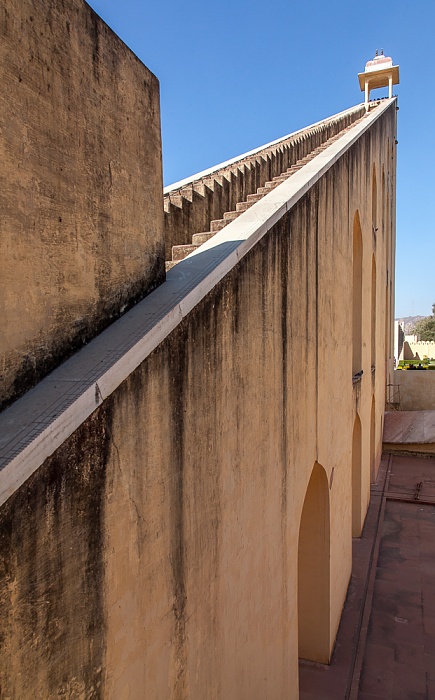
column 314, row 570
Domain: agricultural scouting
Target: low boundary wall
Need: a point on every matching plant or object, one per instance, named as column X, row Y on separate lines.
column 415, row 389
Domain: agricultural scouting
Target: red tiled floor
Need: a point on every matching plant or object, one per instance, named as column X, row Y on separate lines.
column 380, row 657
column 377, row 681
column 395, row 654
column 397, row 615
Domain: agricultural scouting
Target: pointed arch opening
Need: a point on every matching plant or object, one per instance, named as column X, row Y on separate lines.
column 357, row 296
column 314, row 570
column 356, row 477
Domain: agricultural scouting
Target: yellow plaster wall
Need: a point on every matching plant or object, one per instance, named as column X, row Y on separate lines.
column 209, row 447
column 250, row 416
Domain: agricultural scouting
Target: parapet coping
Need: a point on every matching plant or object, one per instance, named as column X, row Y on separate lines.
column 228, row 163
column 39, row 422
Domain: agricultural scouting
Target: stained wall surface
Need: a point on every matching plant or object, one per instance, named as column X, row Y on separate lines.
column 81, row 232
column 172, row 516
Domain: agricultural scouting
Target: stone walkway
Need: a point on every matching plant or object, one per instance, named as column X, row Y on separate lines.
column 385, row 647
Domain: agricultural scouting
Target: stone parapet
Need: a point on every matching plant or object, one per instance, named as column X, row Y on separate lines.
column 191, row 204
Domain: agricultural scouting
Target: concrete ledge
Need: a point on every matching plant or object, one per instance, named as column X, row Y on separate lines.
column 412, row 450
column 38, row 423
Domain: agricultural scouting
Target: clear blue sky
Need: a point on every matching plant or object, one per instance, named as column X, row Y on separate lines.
column 236, row 74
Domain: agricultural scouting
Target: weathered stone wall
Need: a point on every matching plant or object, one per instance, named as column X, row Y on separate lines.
column 172, row 516
column 415, row 390
column 81, row 233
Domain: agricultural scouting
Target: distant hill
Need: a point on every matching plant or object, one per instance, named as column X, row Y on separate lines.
column 408, row 323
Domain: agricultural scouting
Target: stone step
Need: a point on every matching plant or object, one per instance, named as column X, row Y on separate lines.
column 243, row 206
column 252, row 198
column 293, row 169
column 170, row 264
column 303, row 162
column 179, row 252
column 218, row 225
column 199, row 238
column 231, row 215
column 279, row 178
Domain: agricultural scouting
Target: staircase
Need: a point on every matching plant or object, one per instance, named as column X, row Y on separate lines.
column 182, row 250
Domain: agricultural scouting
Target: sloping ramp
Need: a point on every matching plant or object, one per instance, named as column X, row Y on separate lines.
column 38, row 423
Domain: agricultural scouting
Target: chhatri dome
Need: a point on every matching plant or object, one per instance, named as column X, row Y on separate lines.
column 379, row 61
column 379, row 72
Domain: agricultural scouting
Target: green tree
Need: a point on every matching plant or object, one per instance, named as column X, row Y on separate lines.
column 425, row 328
